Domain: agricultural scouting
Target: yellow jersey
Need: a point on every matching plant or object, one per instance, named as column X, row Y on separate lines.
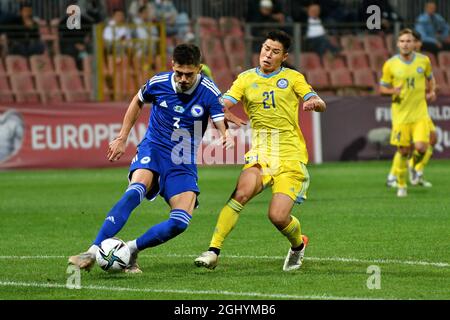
column 410, row 106
column 271, row 103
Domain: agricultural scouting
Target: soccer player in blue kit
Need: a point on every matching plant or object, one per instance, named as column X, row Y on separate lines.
column 165, row 163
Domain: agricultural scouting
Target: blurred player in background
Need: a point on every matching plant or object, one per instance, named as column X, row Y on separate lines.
column 278, row 157
column 405, row 77
column 416, row 172
column 163, row 165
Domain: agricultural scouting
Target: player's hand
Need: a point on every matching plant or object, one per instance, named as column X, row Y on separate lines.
column 232, row 118
column 397, row 91
column 228, row 141
column 116, row 149
column 431, row 96
column 313, row 104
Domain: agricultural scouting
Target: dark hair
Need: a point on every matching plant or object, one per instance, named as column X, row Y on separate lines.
column 187, row 54
column 142, row 9
column 417, row 35
column 280, row 36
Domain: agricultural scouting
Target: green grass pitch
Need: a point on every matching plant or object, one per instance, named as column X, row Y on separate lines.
column 352, row 219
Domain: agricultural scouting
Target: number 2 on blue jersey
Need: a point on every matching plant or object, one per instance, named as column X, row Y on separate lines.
column 267, row 96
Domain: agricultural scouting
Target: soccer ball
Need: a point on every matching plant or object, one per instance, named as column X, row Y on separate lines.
column 113, row 255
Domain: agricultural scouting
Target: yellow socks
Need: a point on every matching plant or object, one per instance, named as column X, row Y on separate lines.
column 293, row 232
column 401, row 167
column 426, row 157
column 228, row 218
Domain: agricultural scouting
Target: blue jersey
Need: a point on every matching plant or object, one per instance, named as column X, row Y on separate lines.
column 178, row 120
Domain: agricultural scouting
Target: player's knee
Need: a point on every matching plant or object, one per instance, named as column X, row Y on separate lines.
column 421, row 148
column 279, row 219
column 241, row 196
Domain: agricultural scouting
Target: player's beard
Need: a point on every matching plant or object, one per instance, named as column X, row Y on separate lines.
column 183, row 86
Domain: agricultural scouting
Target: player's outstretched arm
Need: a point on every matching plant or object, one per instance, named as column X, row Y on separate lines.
column 229, row 116
column 227, row 139
column 390, row 91
column 117, row 147
column 431, row 94
column 314, row 103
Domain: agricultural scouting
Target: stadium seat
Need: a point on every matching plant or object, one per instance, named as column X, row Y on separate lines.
column 351, row 43
column 6, row 95
column 341, row 78
column 310, row 61
column 434, row 62
column 318, row 79
column 72, row 88
column 223, row 79
column 377, row 59
column 16, row 64
column 374, row 43
column 41, row 63
column 65, row 64
column 357, row 60
column 208, row 27
column 444, row 60
column 212, row 46
column 48, row 87
column 364, row 78
column 390, row 44
column 442, row 84
column 333, row 63
column 230, row 26
column 235, row 52
column 217, row 62
column 23, row 87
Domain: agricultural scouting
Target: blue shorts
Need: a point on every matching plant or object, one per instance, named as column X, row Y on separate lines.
column 172, row 179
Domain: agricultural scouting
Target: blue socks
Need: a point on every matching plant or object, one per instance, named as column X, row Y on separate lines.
column 119, row 214
column 166, row 230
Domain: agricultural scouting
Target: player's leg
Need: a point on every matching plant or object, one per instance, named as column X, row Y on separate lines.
column 421, row 138
column 391, row 180
column 180, row 191
column 141, row 181
column 249, row 184
column 419, row 168
column 290, row 187
column 401, row 138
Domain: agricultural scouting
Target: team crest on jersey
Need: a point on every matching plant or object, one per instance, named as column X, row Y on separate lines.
column 178, row 109
column 145, row 160
column 254, row 85
column 420, row 70
column 197, row 110
column 282, row 83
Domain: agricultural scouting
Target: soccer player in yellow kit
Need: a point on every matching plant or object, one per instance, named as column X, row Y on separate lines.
column 416, row 171
column 270, row 94
column 405, row 77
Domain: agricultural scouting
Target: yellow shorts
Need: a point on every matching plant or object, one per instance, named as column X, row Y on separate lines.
column 402, row 135
column 289, row 177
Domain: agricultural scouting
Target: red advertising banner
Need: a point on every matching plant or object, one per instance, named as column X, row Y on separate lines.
column 76, row 135
column 358, row 128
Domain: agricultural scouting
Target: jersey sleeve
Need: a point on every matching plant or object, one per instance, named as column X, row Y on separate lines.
column 386, row 77
column 428, row 69
column 236, row 92
column 146, row 92
column 302, row 88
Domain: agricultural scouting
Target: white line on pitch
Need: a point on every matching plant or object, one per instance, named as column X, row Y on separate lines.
column 183, row 291
column 334, row 259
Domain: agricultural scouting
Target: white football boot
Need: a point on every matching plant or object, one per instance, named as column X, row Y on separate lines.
column 401, row 192
column 207, row 259
column 294, row 259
